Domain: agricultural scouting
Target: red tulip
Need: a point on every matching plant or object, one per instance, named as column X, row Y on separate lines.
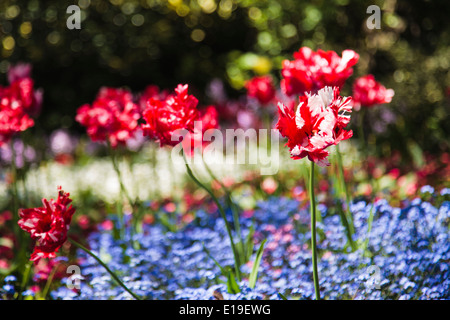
column 317, row 123
column 48, row 225
column 207, row 120
column 164, row 117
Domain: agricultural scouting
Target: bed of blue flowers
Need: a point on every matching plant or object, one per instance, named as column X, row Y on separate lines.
column 405, row 255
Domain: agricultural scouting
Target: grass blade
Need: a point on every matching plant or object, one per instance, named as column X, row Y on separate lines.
column 282, row 296
column 231, row 283
column 254, row 273
column 249, row 242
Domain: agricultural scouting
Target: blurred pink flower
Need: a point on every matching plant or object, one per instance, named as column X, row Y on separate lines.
column 269, row 185
column 310, row 71
column 113, row 116
column 367, row 92
column 261, row 88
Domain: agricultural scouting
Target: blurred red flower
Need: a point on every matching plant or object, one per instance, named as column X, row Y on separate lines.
column 151, row 91
column 48, row 225
column 43, row 269
column 113, row 116
column 317, row 123
column 310, row 71
column 13, row 119
column 18, row 102
column 21, row 83
column 367, row 92
column 164, row 117
column 208, row 119
column 261, row 88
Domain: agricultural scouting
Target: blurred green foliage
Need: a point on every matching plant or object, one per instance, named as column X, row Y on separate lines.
column 139, row 42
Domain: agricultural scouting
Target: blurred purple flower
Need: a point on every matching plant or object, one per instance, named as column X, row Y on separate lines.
column 384, row 118
column 246, row 119
column 24, row 153
column 19, row 71
column 388, row 116
column 137, row 141
column 61, row 142
column 216, row 91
